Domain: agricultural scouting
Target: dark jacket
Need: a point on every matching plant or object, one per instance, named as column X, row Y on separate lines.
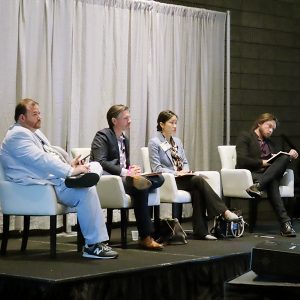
column 248, row 151
column 105, row 150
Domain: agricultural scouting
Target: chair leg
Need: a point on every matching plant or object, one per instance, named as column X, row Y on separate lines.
column 65, row 223
column 156, row 209
column 228, row 202
column 124, row 222
column 53, row 220
column 5, row 234
column 109, row 218
column 80, row 238
column 290, row 204
column 151, row 211
column 26, row 227
column 177, row 211
column 252, row 214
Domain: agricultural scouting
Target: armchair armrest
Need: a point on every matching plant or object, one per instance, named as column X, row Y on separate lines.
column 112, row 193
column 213, row 179
column 169, row 188
column 287, row 184
column 235, row 182
column 288, row 178
column 170, row 193
column 32, row 200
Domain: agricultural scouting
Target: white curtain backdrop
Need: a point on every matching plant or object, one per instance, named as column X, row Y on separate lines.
column 79, row 57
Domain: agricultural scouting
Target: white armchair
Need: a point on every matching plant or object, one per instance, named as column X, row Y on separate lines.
column 236, row 181
column 31, row 200
column 112, row 196
column 169, row 193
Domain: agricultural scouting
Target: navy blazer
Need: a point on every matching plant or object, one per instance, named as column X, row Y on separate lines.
column 248, row 151
column 105, row 150
column 160, row 159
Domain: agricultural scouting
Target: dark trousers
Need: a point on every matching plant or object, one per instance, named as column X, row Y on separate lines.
column 269, row 180
column 140, row 204
column 204, row 201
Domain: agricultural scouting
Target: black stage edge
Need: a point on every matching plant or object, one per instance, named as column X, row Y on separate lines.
column 197, row 270
column 198, row 279
column 251, row 286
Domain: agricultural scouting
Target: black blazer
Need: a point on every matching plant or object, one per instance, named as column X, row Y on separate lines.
column 105, row 150
column 248, row 151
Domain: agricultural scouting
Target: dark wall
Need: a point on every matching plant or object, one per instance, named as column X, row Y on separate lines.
column 265, row 61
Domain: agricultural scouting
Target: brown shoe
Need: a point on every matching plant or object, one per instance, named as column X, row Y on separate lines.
column 148, row 243
column 139, row 182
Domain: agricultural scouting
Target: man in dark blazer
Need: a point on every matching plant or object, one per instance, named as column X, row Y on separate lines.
column 253, row 149
column 110, row 148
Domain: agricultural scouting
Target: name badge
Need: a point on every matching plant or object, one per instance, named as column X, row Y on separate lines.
column 165, row 146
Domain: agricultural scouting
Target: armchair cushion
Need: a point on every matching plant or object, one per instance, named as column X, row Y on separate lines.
column 33, row 200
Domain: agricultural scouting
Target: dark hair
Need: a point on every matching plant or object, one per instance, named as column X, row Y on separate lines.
column 163, row 117
column 264, row 118
column 21, row 108
column 114, row 112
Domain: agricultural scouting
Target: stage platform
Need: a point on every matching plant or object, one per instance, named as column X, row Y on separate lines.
column 197, row 270
column 251, row 286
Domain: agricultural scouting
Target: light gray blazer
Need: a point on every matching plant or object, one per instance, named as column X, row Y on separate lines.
column 25, row 161
column 160, row 159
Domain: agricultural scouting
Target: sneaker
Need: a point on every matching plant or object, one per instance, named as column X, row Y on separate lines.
column 99, row 250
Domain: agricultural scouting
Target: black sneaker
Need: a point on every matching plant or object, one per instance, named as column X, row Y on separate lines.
column 82, row 180
column 99, row 250
column 254, row 191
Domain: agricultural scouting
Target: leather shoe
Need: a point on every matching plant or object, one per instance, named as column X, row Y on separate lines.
column 82, row 180
column 287, row 230
column 148, row 243
column 254, row 191
column 139, row 182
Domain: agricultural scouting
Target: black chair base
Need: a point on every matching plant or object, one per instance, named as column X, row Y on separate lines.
column 25, row 235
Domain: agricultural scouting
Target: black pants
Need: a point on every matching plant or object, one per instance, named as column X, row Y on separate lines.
column 269, row 180
column 140, row 204
column 204, row 200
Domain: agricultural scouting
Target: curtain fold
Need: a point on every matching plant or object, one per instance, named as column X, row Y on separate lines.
column 79, row 57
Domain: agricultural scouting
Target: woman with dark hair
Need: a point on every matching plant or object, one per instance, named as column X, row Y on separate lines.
column 167, row 155
column 253, row 149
